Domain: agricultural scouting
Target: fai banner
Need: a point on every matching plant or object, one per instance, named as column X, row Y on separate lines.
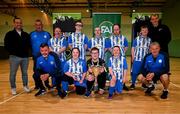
column 105, row 21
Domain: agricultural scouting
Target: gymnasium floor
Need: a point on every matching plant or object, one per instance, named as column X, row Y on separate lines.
column 131, row 102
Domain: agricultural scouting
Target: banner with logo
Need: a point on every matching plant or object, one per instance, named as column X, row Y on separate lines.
column 105, row 21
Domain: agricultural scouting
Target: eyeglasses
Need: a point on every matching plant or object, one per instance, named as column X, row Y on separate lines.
column 94, row 53
column 79, row 25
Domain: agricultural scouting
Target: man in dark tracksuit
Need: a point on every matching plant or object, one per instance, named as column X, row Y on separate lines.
column 47, row 65
column 155, row 67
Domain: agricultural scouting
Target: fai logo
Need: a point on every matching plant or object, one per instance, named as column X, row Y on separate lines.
column 106, row 28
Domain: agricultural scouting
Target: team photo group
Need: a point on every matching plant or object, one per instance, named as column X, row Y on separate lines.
column 89, row 75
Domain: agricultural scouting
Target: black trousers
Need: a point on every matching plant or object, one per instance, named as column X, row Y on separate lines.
column 101, row 80
column 79, row 89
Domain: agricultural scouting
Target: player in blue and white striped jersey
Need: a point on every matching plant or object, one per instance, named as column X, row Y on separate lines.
column 99, row 42
column 58, row 44
column 117, row 39
column 75, row 71
column 118, row 70
column 79, row 40
column 140, row 48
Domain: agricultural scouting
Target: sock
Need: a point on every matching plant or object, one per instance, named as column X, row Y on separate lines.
column 65, row 86
column 111, row 90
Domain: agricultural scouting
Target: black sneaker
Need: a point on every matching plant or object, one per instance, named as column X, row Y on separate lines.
column 63, row 94
column 40, row 92
column 125, row 87
column 144, row 86
column 149, row 90
column 87, row 94
column 164, row 95
column 132, row 87
column 110, row 96
column 36, row 87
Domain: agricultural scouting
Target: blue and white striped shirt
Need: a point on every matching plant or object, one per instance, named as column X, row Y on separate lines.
column 79, row 40
column 118, row 65
column 56, row 44
column 101, row 43
column 120, row 41
column 141, row 47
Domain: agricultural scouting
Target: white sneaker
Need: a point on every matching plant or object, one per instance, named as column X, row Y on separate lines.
column 26, row 89
column 13, row 91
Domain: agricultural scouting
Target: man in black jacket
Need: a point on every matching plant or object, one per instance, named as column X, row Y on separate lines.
column 17, row 43
column 159, row 33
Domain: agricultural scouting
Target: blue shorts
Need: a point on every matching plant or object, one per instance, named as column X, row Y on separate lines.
column 136, row 67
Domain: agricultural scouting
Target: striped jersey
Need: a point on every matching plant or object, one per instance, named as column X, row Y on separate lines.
column 79, row 40
column 56, row 44
column 76, row 68
column 118, row 65
column 101, row 43
column 141, row 47
column 120, row 41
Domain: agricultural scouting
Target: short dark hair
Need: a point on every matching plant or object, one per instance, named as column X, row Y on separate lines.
column 44, row 45
column 144, row 26
column 74, row 49
column 78, row 21
column 16, row 18
column 116, row 24
column 117, row 47
column 94, row 48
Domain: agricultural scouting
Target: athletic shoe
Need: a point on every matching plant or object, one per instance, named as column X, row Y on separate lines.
column 40, row 92
column 164, row 95
column 132, row 87
column 149, row 90
column 13, row 91
column 87, row 94
column 125, row 87
column 110, row 96
column 26, row 89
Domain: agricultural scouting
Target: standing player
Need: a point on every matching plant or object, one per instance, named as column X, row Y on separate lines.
column 38, row 37
column 99, row 42
column 79, row 40
column 118, row 71
column 140, row 48
column 75, row 72
column 156, row 67
column 117, row 39
column 58, row 44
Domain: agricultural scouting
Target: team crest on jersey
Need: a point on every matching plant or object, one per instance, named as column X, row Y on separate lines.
column 35, row 36
column 52, row 62
column 45, row 36
column 160, row 60
column 98, row 45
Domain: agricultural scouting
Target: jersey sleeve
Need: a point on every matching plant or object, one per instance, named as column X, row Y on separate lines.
column 66, row 67
column 86, row 40
column 107, row 43
column 125, row 42
column 70, row 39
column 125, row 64
column 65, row 44
column 84, row 66
column 134, row 44
column 90, row 44
column 109, row 63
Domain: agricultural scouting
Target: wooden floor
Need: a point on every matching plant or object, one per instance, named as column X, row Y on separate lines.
column 132, row 102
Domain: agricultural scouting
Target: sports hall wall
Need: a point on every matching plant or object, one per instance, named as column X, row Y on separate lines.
column 171, row 18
